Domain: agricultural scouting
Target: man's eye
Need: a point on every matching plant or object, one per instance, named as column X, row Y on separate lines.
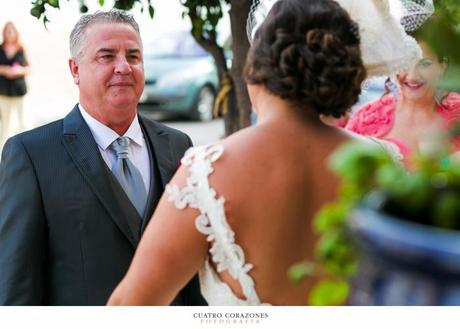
column 107, row 56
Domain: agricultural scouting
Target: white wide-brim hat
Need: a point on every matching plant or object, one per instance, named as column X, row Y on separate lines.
column 385, row 45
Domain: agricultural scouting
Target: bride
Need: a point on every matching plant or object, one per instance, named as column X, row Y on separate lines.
column 239, row 211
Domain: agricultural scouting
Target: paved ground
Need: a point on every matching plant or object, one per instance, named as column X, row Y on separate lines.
column 201, row 132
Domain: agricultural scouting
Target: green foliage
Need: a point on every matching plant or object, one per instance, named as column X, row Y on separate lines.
column 442, row 33
column 429, row 195
column 40, row 7
column 300, row 271
column 83, row 8
column 329, row 292
column 357, row 164
column 446, row 210
column 330, row 217
column 426, row 195
column 337, row 253
column 205, row 15
column 451, row 7
column 54, row 3
column 151, row 11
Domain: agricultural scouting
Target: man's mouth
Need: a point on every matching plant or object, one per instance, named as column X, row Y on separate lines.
column 121, row 84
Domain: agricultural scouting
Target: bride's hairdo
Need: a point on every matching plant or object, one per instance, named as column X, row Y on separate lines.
column 307, row 52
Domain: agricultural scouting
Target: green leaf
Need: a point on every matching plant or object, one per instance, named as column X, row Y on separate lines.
column 357, row 162
column 124, row 4
column 45, row 21
column 151, row 11
column 337, row 253
column 301, row 271
column 446, row 210
column 37, row 11
column 330, row 216
column 329, row 293
column 441, row 34
column 54, row 3
column 452, row 80
column 83, row 9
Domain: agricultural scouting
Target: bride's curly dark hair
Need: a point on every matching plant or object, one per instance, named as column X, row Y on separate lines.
column 308, row 53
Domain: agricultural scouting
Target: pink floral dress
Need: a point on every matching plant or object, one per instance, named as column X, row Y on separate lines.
column 376, row 119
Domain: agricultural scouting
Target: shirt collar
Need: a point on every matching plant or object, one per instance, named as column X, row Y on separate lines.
column 105, row 136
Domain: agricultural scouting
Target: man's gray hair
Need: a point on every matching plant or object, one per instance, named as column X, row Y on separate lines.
column 111, row 16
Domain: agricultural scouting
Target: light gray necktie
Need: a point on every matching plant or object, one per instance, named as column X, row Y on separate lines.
column 128, row 175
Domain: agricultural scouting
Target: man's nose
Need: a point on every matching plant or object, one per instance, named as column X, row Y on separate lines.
column 122, row 66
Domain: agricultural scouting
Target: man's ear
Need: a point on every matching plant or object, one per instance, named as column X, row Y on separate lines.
column 74, row 70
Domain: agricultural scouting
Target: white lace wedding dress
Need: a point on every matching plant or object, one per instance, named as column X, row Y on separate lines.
column 212, row 221
column 225, row 253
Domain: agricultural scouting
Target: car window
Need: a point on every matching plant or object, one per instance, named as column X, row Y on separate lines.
column 174, row 45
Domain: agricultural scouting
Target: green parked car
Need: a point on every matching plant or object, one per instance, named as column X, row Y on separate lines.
column 180, row 78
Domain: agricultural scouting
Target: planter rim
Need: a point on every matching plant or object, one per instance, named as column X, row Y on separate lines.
column 407, row 240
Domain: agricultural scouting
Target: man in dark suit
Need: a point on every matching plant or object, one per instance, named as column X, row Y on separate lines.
column 72, row 204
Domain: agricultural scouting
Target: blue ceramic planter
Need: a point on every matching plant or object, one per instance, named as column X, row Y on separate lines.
column 404, row 263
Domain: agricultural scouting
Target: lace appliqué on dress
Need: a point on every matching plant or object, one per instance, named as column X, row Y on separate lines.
column 197, row 194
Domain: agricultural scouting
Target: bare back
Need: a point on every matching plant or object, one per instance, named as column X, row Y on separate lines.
column 274, row 178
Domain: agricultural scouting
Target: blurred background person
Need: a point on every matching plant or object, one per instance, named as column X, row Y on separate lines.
column 411, row 117
column 414, row 114
column 385, row 45
column 14, row 66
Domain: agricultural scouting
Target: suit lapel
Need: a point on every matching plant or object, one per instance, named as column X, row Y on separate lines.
column 162, row 165
column 80, row 144
column 161, row 149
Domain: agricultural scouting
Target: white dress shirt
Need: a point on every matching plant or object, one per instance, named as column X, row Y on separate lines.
column 104, row 137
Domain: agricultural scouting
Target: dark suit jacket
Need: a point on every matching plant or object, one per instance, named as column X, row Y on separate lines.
column 68, row 231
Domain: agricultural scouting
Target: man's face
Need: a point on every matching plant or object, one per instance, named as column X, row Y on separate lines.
column 110, row 72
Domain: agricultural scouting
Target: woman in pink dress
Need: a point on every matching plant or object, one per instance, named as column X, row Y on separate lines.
column 418, row 116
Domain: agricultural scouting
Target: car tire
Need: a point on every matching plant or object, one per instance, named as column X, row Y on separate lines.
column 204, row 104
